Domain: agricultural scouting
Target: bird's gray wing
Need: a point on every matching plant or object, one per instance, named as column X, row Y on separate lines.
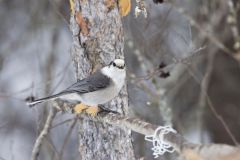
column 92, row 83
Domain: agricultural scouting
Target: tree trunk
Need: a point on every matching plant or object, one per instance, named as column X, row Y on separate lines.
column 97, row 40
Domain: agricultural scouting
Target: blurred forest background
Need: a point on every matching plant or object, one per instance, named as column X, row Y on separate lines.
column 198, row 41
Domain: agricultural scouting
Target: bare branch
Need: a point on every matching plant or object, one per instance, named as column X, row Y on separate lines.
column 180, row 144
column 63, row 122
column 124, row 122
column 141, row 127
column 68, row 136
column 44, row 132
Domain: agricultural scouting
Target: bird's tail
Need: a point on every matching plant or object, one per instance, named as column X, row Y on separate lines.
column 45, row 99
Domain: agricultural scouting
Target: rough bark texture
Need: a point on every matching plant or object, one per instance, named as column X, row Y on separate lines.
column 93, row 48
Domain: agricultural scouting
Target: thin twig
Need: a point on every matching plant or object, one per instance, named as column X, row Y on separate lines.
column 63, row 122
column 44, row 132
column 204, row 88
column 175, row 61
column 214, row 111
column 68, row 136
column 52, row 146
column 219, row 117
column 233, row 21
column 210, row 36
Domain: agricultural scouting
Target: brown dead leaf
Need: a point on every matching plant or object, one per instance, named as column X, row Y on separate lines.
column 82, row 23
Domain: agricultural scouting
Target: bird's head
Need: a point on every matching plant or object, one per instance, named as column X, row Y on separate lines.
column 116, row 70
column 117, row 64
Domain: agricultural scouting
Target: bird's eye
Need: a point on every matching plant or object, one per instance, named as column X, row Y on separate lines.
column 114, row 64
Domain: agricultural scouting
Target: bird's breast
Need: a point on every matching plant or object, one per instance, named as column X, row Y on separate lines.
column 100, row 96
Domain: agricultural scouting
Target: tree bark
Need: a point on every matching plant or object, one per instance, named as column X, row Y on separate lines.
column 97, row 40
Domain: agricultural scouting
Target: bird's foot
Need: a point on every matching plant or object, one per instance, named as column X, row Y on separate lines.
column 79, row 108
column 93, row 111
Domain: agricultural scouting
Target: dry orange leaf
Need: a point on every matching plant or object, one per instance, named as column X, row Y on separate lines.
column 82, row 23
column 124, row 6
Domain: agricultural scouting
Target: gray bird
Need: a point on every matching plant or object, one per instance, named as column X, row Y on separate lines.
column 98, row 88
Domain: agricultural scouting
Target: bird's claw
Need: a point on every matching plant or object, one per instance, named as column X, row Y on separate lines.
column 92, row 111
column 79, row 108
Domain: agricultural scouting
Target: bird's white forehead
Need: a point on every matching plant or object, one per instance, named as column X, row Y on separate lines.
column 119, row 62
